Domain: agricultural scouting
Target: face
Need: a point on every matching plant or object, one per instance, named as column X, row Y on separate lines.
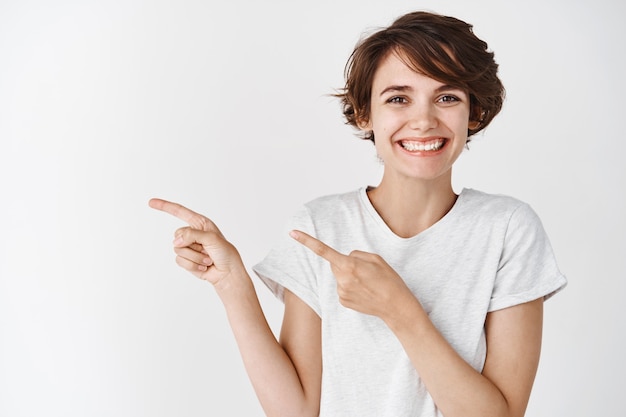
column 419, row 124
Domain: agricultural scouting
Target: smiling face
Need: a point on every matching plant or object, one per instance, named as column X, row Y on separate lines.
column 420, row 124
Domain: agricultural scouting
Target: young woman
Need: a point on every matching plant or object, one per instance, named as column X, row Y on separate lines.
column 403, row 299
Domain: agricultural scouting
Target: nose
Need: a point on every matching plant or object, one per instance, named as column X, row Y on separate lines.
column 423, row 116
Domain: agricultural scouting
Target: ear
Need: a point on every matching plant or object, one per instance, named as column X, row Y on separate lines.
column 477, row 115
column 473, row 124
column 363, row 124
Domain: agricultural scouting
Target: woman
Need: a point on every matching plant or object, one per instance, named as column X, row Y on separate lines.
column 410, row 300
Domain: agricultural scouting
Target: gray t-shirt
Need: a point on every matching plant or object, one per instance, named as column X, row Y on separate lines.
column 487, row 253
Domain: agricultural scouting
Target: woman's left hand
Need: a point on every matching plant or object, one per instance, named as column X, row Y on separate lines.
column 365, row 281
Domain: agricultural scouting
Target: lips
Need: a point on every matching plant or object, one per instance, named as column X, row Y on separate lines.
column 423, row 145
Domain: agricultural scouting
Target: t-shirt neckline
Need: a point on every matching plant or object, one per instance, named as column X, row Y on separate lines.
column 369, row 207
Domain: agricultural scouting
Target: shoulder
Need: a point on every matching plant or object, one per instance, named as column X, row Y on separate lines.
column 334, row 202
column 496, row 211
column 492, row 204
column 327, row 210
column 331, row 215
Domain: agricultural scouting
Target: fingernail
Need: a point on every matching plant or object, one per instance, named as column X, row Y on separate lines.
column 293, row 234
column 207, row 261
column 178, row 241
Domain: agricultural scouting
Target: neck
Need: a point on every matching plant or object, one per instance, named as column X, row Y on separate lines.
column 409, row 207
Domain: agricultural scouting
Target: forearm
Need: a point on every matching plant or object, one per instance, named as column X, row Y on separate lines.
column 269, row 368
column 456, row 387
column 202, row 250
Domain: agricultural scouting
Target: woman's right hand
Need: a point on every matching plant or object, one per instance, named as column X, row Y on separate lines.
column 200, row 247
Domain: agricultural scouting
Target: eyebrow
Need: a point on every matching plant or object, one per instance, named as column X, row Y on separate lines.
column 403, row 88
column 396, row 88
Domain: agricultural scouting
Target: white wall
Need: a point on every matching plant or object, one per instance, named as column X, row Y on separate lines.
column 224, row 108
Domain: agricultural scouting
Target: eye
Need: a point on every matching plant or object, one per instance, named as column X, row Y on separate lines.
column 448, row 98
column 397, row 100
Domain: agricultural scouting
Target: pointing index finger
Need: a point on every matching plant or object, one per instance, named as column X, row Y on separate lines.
column 193, row 219
column 319, row 248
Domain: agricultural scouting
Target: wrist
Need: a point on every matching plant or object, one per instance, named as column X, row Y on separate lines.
column 235, row 282
column 407, row 312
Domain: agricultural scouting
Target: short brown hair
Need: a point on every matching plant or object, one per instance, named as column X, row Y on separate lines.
column 441, row 47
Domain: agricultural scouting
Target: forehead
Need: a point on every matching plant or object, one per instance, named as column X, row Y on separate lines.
column 393, row 70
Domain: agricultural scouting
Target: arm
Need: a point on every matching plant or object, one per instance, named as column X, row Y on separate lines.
column 286, row 376
column 366, row 283
column 503, row 388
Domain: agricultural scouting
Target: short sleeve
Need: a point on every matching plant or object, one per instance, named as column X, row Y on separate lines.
column 292, row 266
column 527, row 269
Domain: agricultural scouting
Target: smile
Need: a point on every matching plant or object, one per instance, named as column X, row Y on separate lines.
column 419, row 146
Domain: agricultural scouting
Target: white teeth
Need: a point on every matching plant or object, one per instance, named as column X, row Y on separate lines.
column 421, row 146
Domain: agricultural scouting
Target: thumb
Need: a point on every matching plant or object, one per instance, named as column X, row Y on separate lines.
column 221, row 252
column 187, row 236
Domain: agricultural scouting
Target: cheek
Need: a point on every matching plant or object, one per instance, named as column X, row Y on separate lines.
column 459, row 122
column 382, row 144
column 385, row 124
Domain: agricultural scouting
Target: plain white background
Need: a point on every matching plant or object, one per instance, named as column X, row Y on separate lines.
column 224, row 107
